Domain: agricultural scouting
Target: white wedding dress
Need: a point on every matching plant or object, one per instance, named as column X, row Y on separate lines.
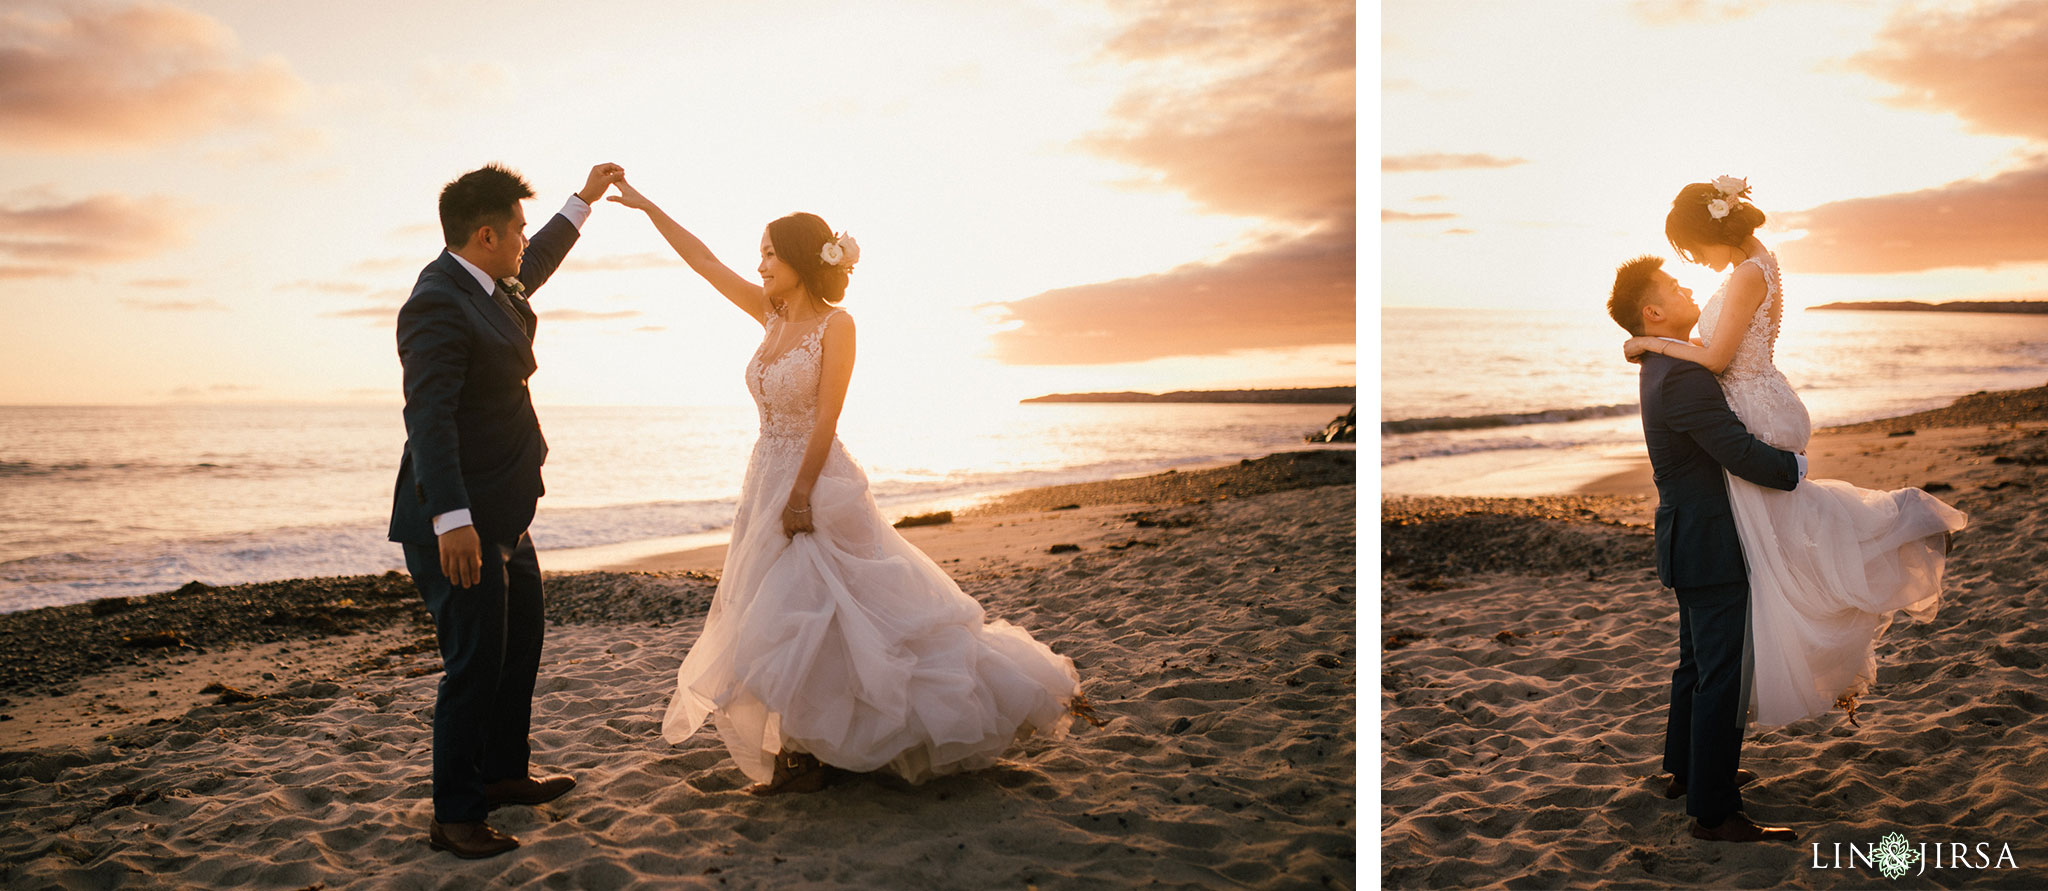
column 1829, row 563
column 847, row 642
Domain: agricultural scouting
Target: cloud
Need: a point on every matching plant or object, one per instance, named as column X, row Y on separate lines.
column 105, row 228
column 176, row 305
column 215, row 390
column 1974, row 223
column 1986, row 64
column 393, row 264
column 1438, row 161
column 13, row 272
column 1399, row 216
column 1270, row 133
column 329, row 286
column 1692, row 12
column 417, row 231
column 584, row 315
column 165, row 283
column 1274, row 136
column 382, row 313
column 145, row 74
column 1299, row 292
column 652, row 328
column 623, row 261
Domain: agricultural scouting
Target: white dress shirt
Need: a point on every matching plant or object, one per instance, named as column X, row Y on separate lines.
column 576, row 210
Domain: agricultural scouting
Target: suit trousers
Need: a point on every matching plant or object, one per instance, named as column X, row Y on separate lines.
column 490, row 638
column 1703, row 740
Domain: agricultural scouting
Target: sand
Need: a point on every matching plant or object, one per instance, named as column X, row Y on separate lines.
column 1217, row 641
column 1526, row 656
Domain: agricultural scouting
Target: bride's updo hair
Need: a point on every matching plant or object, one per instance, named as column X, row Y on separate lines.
column 798, row 239
column 1690, row 224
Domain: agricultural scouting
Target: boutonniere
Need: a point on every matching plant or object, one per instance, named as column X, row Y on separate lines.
column 513, row 287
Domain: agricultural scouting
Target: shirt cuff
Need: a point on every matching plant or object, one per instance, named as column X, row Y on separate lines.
column 1802, row 467
column 576, row 210
column 459, row 517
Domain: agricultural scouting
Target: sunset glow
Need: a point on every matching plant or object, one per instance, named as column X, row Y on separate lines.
column 227, row 202
column 1898, row 148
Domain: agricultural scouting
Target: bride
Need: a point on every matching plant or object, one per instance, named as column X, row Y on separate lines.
column 1829, row 563
column 831, row 640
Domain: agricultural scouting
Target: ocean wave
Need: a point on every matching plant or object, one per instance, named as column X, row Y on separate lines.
column 1508, row 419
column 82, row 469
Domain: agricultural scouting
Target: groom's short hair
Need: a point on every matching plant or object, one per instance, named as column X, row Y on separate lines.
column 481, row 197
column 1631, row 284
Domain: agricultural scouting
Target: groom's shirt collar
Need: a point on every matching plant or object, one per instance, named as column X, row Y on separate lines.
column 575, row 211
column 482, row 279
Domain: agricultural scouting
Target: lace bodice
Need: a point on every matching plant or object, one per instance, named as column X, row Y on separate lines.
column 1756, row 389
column 785, row 387
column 1753, row 356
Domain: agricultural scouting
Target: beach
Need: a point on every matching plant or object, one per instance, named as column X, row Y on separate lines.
column 1526, row 655
column 277, row 735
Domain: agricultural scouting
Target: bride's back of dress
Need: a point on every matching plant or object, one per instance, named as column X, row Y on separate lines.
column 1756, row 389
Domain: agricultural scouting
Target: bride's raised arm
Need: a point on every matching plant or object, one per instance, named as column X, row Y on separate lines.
column 1745, row 294
column 744, row 293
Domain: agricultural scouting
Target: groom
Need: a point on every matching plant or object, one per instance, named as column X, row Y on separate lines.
column 467, row 487
column 1692, row 437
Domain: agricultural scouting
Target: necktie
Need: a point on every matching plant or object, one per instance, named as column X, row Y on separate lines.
column 504, row 301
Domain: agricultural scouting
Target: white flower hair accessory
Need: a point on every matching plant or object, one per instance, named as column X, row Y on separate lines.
column 842, row 251
column 1732, row 189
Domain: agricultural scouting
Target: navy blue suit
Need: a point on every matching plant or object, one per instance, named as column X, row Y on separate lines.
column 1693, row 436
column 473, row 441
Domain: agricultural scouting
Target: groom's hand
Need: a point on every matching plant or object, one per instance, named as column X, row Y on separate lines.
column 462, row 557
column 601, row 178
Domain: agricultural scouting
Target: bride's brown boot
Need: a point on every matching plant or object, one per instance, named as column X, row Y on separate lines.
column 794, row 772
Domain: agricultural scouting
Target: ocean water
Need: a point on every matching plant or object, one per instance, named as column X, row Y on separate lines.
column 102, row 501
column 1463, row 381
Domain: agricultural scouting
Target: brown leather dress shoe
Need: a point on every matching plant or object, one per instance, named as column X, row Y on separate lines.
column 470, row 841
column 1738, row 828
column 527, row 790
column 1676, row 789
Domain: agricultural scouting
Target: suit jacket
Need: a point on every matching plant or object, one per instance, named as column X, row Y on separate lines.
column 1693, row 435
column 472, row 439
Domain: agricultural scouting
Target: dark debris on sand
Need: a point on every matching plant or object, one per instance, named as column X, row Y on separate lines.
column 1273, row 473
column 628, row 598
column 1980, row 409
column 1425, row 539
column 45, row 651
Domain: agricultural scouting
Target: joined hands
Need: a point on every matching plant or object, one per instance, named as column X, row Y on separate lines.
column 601, row 177
column 630, row 196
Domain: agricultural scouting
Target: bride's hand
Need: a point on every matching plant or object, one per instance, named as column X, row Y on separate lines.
column 796, row 516
column 630, row 196
column 1634, row 348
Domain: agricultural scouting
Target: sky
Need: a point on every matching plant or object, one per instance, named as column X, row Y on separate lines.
column 228, row 201
column 1900, row 150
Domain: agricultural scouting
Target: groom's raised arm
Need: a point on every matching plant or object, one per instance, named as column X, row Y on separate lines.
column 1694, row 405
column 546, row 249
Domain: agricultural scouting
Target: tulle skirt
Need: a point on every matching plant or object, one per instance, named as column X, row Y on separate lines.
column 1829, row 565
column 850, row 644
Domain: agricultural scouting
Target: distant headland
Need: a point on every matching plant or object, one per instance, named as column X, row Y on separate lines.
column 2002, row 306
column 1298, row 395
